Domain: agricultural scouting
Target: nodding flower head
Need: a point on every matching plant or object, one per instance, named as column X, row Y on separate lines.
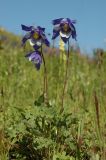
column 65, row 28
column 35, row 35
column 35, row 58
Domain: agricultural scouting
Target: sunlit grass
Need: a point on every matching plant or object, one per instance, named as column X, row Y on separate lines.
column 42, row 130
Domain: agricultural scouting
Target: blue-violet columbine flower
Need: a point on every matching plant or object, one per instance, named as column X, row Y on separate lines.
column 65, row 28
column 35, row 57
column 36, row 36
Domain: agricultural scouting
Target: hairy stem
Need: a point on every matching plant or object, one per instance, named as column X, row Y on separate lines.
column 45, row 79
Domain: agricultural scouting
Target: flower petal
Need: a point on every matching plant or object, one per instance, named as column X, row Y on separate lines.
column 56, row 21
column 55, row 34
column 66, row 35
column 64, row 39
column 35, row 57
column 26, row 28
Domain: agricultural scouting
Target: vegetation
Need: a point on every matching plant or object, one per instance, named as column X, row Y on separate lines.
column 33, row 130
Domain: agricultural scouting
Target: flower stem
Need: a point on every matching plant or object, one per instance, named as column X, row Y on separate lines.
column 45, row 79
column 65, row 80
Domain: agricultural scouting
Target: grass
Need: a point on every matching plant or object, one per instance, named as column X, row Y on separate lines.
column 31, row 130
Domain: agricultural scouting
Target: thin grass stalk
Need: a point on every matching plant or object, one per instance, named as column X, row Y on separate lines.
column 3, row 106
column 97, row 110
column 98, row 121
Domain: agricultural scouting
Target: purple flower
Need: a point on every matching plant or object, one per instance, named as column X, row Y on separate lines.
column 65, row 28
column 36, row 36
column 35, row 57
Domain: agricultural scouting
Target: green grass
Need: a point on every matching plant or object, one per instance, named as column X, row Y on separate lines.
column 31, row 130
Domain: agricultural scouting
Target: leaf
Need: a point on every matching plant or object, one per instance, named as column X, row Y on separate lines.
column 39, row 101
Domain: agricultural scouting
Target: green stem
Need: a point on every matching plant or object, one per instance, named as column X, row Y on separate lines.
column 45, row 79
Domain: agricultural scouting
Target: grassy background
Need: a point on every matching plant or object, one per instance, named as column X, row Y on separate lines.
column 33, row 131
